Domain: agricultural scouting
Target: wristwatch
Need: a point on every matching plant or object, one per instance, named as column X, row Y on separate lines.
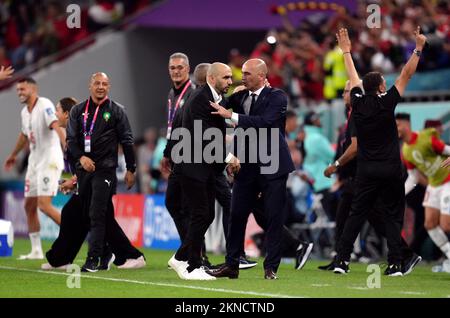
column 417, row 52
column 336, row 163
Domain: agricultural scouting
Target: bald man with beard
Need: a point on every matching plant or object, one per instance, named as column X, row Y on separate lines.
column 198, row 177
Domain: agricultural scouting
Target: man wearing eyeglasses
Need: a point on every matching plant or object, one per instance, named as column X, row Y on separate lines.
column 178, row 94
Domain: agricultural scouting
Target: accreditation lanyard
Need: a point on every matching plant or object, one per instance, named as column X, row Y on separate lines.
column 174, row 110
column 88, row 134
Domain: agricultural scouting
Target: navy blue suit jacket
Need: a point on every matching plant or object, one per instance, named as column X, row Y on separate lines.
column 269, row 111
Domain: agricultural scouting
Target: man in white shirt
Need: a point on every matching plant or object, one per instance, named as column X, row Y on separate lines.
column 45, row 137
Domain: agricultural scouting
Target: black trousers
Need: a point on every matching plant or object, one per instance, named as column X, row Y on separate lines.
column 175, row 204
column 376, row 219
column 245, row 195
column 74, row 229
column 381, row 185
column 289, row 241
column 200, row 198
column 179, row 210
column 96, row 189
column 223, row 196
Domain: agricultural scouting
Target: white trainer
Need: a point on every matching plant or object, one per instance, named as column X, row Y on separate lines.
column 48, row 267
column 197, row 274
column 32, row 255
column 133, row 263
column 178, row 266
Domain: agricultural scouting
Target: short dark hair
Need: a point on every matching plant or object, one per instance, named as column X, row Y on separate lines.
column 371, row 82
column 311, row 118
column 290, row 114
column 432, row 123
column 28, row 80
column 403, row 116
column 67, row 103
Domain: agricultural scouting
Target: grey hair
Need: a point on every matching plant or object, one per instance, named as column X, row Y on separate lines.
column 179, row 55
column 200, row 73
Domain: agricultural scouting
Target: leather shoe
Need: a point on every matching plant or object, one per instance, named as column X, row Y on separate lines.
column 225, row 271
column 270, row 274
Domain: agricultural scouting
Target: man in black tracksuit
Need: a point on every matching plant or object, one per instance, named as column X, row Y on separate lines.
column 75, row 220
column 379, row 176
column 96, row 127
column 346, row 166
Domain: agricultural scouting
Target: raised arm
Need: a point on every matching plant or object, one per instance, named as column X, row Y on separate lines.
column 410, row 68
column 346, row 46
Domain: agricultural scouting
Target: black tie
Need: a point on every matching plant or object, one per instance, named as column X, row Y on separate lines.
column 253, row 95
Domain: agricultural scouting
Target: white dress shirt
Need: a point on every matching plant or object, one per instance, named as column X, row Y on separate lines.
column 235, row 116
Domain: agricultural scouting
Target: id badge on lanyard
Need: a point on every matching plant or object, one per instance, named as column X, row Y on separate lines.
column 88, row 134
column 87, row 143
column 172, row 111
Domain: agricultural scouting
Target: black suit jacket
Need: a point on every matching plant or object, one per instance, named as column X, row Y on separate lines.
column 269, row 111
column 197, row 108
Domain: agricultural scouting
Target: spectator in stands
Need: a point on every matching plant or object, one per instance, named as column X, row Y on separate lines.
column 27, row 53
column 104, row 13
column 144, row 159
column 236, row 61
column 4, row 60
column 319, row 154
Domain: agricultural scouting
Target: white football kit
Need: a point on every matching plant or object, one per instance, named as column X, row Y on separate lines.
column 46, row 160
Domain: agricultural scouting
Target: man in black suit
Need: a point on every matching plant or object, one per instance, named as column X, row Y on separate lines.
column 199, row 169
column 263, row 110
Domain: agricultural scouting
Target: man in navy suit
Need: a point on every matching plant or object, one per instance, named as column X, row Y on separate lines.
column 263, row 110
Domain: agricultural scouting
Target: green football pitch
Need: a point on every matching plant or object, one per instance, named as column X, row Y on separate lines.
column 25, row 279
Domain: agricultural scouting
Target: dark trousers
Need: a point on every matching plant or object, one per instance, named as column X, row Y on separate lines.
column 375, row 218
column 175, row 204
column 223, row 196
column 96, row 189
column 74, row 229
column 289, row 241
column 383, row 185
column 179, row 210
column 245, row 194
column 199, row 196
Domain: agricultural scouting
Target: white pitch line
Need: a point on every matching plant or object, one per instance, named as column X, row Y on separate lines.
column 411, row 293
column 358, row 288
column 220, row 290
column 320, row 285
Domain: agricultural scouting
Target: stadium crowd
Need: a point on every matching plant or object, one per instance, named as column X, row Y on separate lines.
column 31, row 30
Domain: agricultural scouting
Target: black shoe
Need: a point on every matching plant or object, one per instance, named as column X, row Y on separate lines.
column 106, row 261
column 341, row 267
column 328, row 267
column 212, row 267
column 410, row 263
column 270, row 274
column 206, row 263
column 393, row 270
column 302, row 254
column 225, row 271
column 91, row 265
column 245, row 263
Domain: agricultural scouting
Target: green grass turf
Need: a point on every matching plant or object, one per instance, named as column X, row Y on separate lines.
column 24, row 279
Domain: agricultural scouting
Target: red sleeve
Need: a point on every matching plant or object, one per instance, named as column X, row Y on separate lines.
column 437, row 145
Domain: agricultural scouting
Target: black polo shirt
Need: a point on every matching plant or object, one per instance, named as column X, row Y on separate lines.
column 376, row 127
